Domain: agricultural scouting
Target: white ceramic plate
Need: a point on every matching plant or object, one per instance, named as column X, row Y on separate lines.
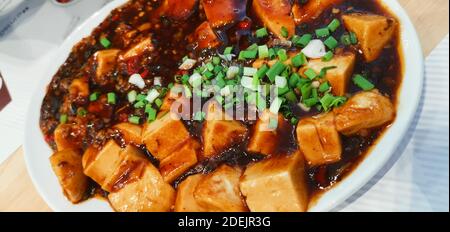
column 37, row 151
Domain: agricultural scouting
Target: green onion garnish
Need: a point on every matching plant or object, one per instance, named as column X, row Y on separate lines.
column 158, row 103
column 134, row 119
column 299, row 60
column 353, row 38
column 310, row 73
column 363, row 83
column 63, row 118
column 327, row 101
column 275, row 70
column 311, row 102
column 216, row 60
column 290, row 96
column 345, row 40
column 111, row 98
column 199, row 116
column 294, row 80
column 93, row 97
column 334, row 25
column 331, row 42
column 139, row 105
column 324, row 87
column 105, row 42
column 328, row 56
column 248, row 54
column 304, row 40
column 261, row 33
column 284, row 32
column 228, row 51
column 263, row 52
column 282, row 55
column 322, row 32
column 82, row 112
column 140, row 97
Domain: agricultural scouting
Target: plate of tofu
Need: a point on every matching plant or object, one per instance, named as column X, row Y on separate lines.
column 223, row 106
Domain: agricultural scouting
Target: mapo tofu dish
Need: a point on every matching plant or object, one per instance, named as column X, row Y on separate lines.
column 222, row 105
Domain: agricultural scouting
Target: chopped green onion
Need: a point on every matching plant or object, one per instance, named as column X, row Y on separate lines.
column 323, row 71
column 140, row 97
column 93, row 97
column 210, row 67
column 290, row 96
column 261, row 33
column 324, row 87
column 262, row 71
column 334, row 25
column 263, row 52
column 275, row 70
column 306, row 91
column 135, row 120
column 353, row 38
column 284, row 32
column 327, row 101
column 247, row 54
column 280, row 81
column 276, row 105
column 216, row 60
column 298, row 60
column 310, row 73
column 63, row 118
column 228, row 50
column 199, row 116
column 132, row 96
column 81, row 112
column 105, row 42
column 294, row 121
column 331, row 43
column 282, row 55
column 345, row 39
column 158, row 103
column 272, row 53
column 195, row 80
column 250, row 71
column 322, row 32
column 328, row 56
column 187, row 91
column 252, row 47
column 363, row 83
column 304, row 40
column 293, row 80
column 151, row 113
column 139, row 104
column 111, row 98
column 311, row 102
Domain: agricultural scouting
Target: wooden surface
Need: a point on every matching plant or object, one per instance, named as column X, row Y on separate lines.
column 17, row 193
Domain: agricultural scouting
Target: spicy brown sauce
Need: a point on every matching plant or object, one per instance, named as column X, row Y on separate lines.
column 172, row 43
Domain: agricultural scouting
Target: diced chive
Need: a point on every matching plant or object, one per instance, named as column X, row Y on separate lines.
column 210, row 67
column 353, row 38
column 247, row 54
column 290, row 96
column 323, row 71
column 132, row 96
column 139, row 104
column 158, row 102
column 63, row 118
column 331, row 43
column 328, row 56
column 185, row 58
column 135, row 120
column 345, row 40
column 228, row 50
column 322, row 32
column 276, row 105
column 262, row 71
column 105, row 42
column 298, row 60
column 324, row 87
column 294, row 121
column 362, row 82
column 272, row 53
column 282, row 55
column 220, row 81
column 140, row 97
column 250, row 71
column 218, row 69
column 263, row 52
column 216, row 60
column 306, row 91
column 208, row 74
column 151, row 114
column 338, row 101
column 275, row 70
column 261, row 33
column 304, row 40
column 334, row 25
column 261, row 103
column 293, row 80
column 170, row 85
column 311, row 102
column 81, row 112
column 310, row 73
column 187, row 91
column 111, row 98
column 252, row 47
column 199, row 116
column 93, row 97
column 314, row 92
column 326, row 101
column 284, row 32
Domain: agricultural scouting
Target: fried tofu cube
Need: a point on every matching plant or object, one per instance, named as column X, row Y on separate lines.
column 130, row 168
column 364, row 111
column 275, row 15
column 131, row 133
column 176, row 9
column 106, row 61
column 319, row 140
column 101, row 164
column 311, row 10
column 338, row 77
column 145, row 45
column 266, row 133
column 67, row 167
column 148, row 193
column 65, row 139
column 220, row 13
column 219, row 191
column 278, row 184
column 179, row 161
column 164, row 135
column 185, row 201
column 205, row 37
column 220, row 132
column 373, row 32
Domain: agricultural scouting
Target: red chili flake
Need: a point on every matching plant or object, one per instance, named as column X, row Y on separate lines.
column 133, row 65
column 115, row 17
column 123, row 117
column 182, row 72
column 321, row 176
column 49, row 138
column 245, row 24
column 145, row 73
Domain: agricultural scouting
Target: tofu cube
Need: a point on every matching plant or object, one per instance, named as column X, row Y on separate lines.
column 338, row 77
column 185, row 201
column 131, row 133
column 165, row 135
column 178, row 10
column 219, row 191
column 148, row 193
column 266, row 133
column 145, row 45
column 278, row 184
column 101, row 164
column 373, row 32
column 65, row 139
column 220, row 132
column 365, row 110
column 311, row 10
column 106, row 61
column 179, row 161
column 275, row 15
column 205, row 37
column 69, row 170
column 319, row 140
column 221, row 13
